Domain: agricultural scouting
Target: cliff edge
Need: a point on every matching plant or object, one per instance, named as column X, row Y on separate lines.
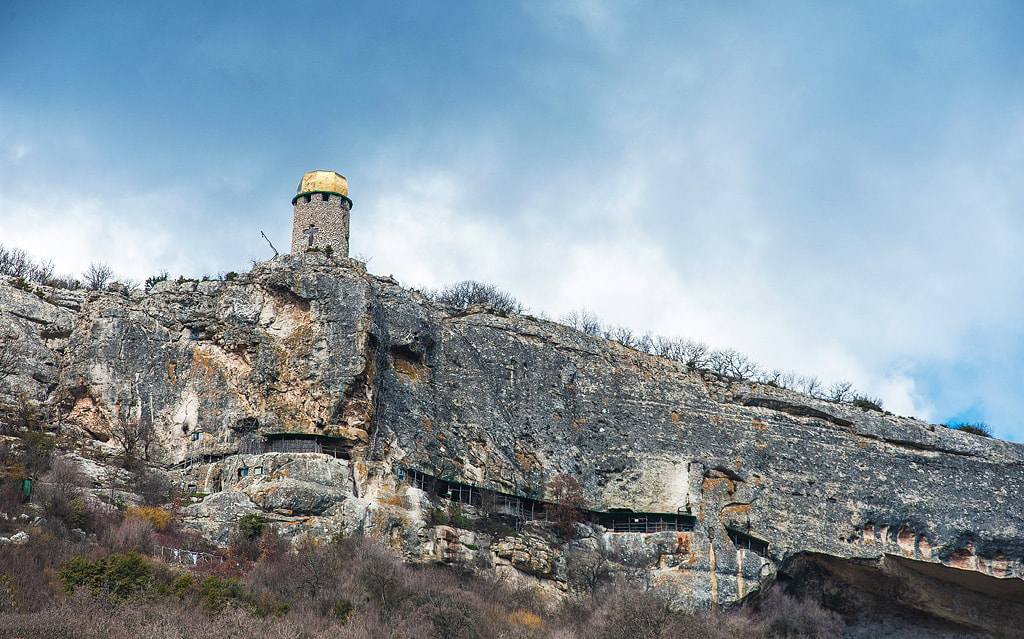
column 331, row 400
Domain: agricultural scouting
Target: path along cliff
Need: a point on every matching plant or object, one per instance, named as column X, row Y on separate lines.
column 331, row 400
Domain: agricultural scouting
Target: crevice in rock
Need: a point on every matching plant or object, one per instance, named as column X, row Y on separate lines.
column 914, row 446
column 797, row 410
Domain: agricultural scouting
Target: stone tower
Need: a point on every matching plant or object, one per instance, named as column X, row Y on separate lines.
column 321, row 207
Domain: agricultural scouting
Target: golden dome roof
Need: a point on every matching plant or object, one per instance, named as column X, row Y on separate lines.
column 323, row 181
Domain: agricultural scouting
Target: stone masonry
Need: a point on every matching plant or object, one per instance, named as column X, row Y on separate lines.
column 321, row 220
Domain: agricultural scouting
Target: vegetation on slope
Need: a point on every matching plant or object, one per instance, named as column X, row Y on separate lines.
column 72, row 565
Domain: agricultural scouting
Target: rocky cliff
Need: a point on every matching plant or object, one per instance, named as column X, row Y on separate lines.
column 331, row 400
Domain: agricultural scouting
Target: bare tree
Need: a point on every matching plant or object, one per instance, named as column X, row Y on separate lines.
column 840, row 392
column 132, row 435
column 808, row 385
column 14, row 262
column 10, row 359
column 732, row 363
column 470, row 292
column 587, row 570
column 42, row 272
column 695, row 355
column 622, row 335
column 19, row 264
column 582, row 320
column 97, row 276
column 645, row 344
column 566, row 493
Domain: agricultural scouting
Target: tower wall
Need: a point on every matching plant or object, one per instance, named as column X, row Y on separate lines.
column 329, row 214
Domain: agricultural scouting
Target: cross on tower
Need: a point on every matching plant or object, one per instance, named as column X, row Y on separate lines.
column 310, row 233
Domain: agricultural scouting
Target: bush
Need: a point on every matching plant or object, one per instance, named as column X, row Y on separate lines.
column 467, row 293
column 975, row 428
column 587, row 571
column 437, row 516
column 153, row 280
column 155, row 487
column 250, row 527
column 36, row 452
column 117, row 575
column 215, row 592
column 133, row 534
column 158, row 518
column 342, row 610
column 867, row 403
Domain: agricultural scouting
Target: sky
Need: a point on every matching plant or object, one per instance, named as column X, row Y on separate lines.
column 833, row 189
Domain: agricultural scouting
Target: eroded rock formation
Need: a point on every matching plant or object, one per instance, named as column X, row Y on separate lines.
column 237, row 380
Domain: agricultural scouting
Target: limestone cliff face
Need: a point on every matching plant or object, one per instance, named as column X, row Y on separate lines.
column 316, row 352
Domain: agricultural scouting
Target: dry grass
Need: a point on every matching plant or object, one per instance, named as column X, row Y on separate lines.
column 351, row 589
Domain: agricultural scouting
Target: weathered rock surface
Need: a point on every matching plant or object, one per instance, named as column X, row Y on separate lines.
column 238, row 376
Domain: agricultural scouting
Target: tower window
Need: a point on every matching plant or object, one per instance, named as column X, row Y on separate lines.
column 325, row 197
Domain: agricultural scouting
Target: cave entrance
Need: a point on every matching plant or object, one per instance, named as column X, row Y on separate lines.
column 743, row 540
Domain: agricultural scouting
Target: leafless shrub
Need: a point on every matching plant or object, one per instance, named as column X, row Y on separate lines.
column 786, row 616
column 10, row 358
column 60, row 492
column 41, row 272
column 732, row 363
column 133, row 435
column 584, row 321
column 621, row 334
column 97, row 276
column 69, row 282
column 154, row 486
column 465, row 294
column 385, row 581
column 695, row 355
column 19, row 264
column 631, row 612
column 133, row 534
column 645, row 344
column 22, row 412
column 808, row 385
column 587, row 570
column 840, row 392
column 15, row 262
